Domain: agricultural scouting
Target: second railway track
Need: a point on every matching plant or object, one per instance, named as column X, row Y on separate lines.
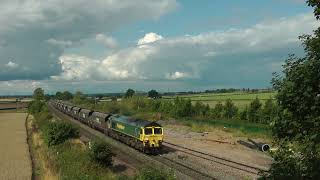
column 216, row 159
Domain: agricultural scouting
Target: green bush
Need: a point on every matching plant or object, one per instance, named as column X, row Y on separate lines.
column 57, row 132
column 149, row 173
column 73, row 162
column 36, row 106
column 295, row 161
column 42, row 118
column 101, row 153
column 296, row 128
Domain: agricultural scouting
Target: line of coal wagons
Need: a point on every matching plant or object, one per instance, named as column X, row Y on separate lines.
column 141, row 134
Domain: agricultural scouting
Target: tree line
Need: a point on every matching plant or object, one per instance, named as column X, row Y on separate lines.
column 256, row 112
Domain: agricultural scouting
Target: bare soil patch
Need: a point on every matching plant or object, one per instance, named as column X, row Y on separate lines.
column 9, row 105
column 15, row 160
column 219, row 143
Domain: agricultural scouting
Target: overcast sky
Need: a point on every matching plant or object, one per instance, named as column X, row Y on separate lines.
column 168, row 45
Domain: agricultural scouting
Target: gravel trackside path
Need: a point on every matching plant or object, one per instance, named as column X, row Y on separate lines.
column 15, row 160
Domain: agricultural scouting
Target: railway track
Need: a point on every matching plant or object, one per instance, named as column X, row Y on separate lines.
column 182, row 171
column 216, row 159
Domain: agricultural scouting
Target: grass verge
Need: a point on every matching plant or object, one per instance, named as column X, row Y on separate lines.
column 69, row 160
column 236, row 127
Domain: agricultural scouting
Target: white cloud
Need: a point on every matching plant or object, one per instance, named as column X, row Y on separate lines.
column 203, row 56
column 76, row 68
column 11, row 64
column 177, row 75
column 36, row 33
column 59, row 42
column 237, row 56
column 149, row 38
column 108, row 41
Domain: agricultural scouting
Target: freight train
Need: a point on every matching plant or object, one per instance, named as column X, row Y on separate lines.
column 140, row 134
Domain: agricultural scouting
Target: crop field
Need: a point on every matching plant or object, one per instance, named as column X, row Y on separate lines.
column 240, row 99
column 7, row 100
column 15, row 161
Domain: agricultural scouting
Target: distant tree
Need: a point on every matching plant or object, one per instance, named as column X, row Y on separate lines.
column 230, row 110
column 254, row 111
column 201, row 109
column 129, row 93
column 269, row 111
column 113, row 98
column 47, row 97
column 244, row 114
column 100, row 96
column 78, row 97
column 38, row 94
column 66, row 95
column 58, row 95
column 218, row 110
column 153, row 94
column 183, row 108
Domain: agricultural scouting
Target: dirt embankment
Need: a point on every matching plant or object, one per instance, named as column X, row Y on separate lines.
column 15, row 160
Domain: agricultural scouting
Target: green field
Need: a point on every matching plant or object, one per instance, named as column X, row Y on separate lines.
column 240, row 99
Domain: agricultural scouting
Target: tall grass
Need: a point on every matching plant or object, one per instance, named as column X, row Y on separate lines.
column 239, row 128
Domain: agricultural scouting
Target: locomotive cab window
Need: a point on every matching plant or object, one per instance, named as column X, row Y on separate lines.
column 148, row 131
column 157, row 130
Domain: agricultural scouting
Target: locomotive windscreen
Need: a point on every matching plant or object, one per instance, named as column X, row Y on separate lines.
column 148, row 131
column 157, row 131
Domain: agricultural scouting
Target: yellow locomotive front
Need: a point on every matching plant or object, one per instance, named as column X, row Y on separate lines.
column 152, row 137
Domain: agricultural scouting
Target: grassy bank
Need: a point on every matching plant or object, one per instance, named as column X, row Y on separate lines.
column 68, row 160
column 238, row 128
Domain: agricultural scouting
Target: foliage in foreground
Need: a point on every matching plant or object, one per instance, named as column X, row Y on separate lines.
column 73, row 162
column 68, row 158
column 149, row 173
column 58, row 132
column 296, row 161
column 101, row 153
column 298, row 124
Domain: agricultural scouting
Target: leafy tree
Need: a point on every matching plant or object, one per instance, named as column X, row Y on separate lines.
column 230, row 110
column 297, row 126
column 201, row 109
column 254, row 111
column 218, row 110
column 78, row 97
column 36, row 106
column 244, row 114
column 183, row 108
column 38, row 94
column 114, row 98
column 269, row 111
column 66, row 95
column 153, row 94
column 316, row 5
column 58, row 95
column 129, row 93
